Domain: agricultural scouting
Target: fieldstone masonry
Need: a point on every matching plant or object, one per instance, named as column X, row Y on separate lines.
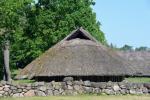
column 70, row 87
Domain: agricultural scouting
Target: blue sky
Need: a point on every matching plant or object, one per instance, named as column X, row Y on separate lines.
column 125, row 21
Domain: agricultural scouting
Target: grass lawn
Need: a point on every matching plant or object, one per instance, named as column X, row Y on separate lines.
column 128, row 97
column 138, row 79
column 129, row 79
column 23, row 81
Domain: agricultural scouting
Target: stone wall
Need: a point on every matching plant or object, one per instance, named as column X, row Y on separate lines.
column 69, row 87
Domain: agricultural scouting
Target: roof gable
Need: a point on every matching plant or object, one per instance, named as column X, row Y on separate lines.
column 81, row 34
column 78, row 34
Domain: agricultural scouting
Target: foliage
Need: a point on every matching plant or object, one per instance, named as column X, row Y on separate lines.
column 11, row 21
column 33, row 28
column 138, row 79
column 49, row 21
column 127, row 48
column 112, row 46
column 142, row 49
column 11, row 16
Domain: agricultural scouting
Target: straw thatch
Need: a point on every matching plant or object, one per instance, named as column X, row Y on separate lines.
column 139, row 61
column 79, row 54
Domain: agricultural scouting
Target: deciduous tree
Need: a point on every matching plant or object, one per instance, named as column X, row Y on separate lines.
column 11, row 18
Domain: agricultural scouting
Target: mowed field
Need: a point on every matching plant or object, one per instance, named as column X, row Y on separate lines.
column 127, row 97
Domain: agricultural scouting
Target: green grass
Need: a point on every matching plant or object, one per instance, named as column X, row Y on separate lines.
column 14, row 73
column 138, row 79
column 23, row 81
column 128, row 97
column 130, row 79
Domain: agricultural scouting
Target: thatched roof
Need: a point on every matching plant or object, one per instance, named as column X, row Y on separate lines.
column 79, row 54
column 139, row 61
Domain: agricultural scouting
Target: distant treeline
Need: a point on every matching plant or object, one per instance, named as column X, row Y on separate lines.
column 130, row 48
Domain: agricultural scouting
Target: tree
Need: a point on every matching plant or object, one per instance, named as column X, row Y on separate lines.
column 33, row 28
column 112, row 46
column 10, row 20
column 67, row 15
column 127, row 48
column 1, row 60
column 49, row 21
column 142, row 49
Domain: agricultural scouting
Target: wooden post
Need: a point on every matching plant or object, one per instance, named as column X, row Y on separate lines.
column 7, row 74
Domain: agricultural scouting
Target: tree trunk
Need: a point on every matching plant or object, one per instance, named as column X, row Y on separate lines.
column 7, row 74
